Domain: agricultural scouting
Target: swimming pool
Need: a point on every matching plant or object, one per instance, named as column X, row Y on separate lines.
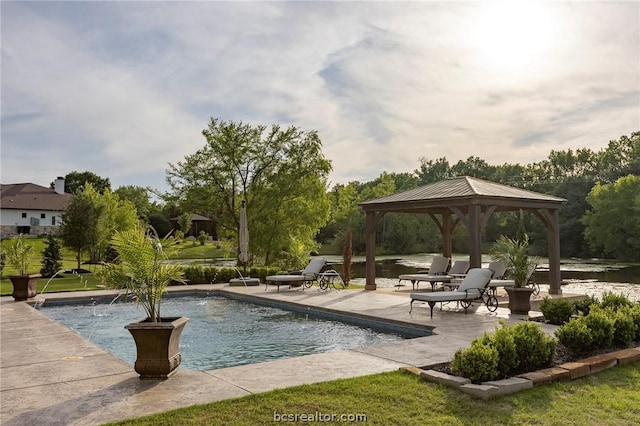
column 222, row 332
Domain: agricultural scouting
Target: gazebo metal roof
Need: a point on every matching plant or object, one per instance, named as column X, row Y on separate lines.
column 472, row 201
column 458, row 192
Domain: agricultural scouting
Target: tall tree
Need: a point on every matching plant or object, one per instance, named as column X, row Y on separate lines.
column 139, row 197
column 78, row 224
column 433, row 171
column 114, row 215
column 75, row 181
column 612, row 226
column 281, row 173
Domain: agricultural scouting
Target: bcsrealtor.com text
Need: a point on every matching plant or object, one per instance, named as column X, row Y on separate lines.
column 319, row 417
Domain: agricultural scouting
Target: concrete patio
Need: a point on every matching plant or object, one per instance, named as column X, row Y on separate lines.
column 50, row 375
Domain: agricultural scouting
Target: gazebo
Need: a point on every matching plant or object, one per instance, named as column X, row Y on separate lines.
column 470, row 201
column 196, row 219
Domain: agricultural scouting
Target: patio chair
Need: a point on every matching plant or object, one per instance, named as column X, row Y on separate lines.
column 305, row 278
column 472, row 288
column 436, row 274
column 456, row 274
column 504, row 280
column 530, row 282
column 499, row 269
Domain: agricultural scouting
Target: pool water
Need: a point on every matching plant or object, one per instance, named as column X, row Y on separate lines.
column 221, row 332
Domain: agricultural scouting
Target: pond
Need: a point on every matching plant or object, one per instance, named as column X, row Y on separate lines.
column 591, row 277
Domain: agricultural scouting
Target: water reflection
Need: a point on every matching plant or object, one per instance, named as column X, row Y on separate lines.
column 389, row 267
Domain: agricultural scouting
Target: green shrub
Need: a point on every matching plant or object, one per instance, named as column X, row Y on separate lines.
column 502, row 341
column 583, row 306
column 557, row 311
column 624, row 329
column 51, row 258
column 601, row 326
column 634, row 312
column 262, row 272
column 535, row 349
column 575, row 336
column 614, row 301
column 202, row 237
column 478, row 363
column 213, row 275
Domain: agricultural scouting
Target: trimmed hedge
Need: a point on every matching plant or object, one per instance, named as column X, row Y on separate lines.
column 613, row 322
column 557, row 311
column 508, row 351
column 214, row 275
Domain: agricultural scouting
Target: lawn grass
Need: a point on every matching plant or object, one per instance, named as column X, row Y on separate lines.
column 611, row 397
column 73, row 282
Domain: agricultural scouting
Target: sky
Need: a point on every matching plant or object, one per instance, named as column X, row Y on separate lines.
column 122, row 89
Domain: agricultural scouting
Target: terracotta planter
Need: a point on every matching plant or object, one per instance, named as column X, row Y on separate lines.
column 24, row 286
column 158, row 346
column 519, row 300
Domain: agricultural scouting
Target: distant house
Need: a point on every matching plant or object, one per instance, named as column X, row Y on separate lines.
column 30, row 209
column 198, row 223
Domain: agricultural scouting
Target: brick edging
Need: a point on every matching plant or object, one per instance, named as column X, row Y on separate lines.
column 567, row 371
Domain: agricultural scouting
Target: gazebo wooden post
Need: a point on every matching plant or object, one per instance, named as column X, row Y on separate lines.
column 447, row 228
column 475, row 241
column 370, row 265
column 553, row 238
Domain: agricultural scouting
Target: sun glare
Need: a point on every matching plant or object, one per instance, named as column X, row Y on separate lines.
column 512, row 35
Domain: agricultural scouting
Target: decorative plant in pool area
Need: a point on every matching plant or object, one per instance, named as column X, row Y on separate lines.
column 514, row 254
column 19, row 255
column 142, row 270
column 141, row 267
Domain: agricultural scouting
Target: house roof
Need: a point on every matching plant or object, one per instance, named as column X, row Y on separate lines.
column 462, row 190
column 194, row 217
column 29, row 196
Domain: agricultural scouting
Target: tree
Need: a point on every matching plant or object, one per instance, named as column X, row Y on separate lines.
column 51, row 258
column 92, row 218
column 612, row 227
column 433, row 171
column 75, row 181
column 114, row 215
column 280, row 173
column 78, row 224
column 185, row 222
column 139, row 197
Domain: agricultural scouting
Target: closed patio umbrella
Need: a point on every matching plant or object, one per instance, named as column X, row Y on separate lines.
column 243, row 240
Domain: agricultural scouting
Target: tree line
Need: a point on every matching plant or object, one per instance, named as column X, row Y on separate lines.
column 282, row 175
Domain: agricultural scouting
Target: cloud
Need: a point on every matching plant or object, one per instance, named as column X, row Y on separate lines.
column 123, row 88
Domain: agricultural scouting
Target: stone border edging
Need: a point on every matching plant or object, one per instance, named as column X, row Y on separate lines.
column 570, row 370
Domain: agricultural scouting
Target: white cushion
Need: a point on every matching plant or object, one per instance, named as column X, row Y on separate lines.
column 445, row 296
column 285, row 278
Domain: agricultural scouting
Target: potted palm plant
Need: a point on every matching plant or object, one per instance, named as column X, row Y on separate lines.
column 141, row 269
column 514, row 253
column 19, row 255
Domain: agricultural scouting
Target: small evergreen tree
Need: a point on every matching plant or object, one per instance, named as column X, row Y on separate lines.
column 51, row 258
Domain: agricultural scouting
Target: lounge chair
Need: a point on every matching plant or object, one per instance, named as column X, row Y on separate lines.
column 436, row 274
column 472, row 288
column 530, row 282
column 306, row 277
column 499, row 269
column 504, row 280
column 456, row 274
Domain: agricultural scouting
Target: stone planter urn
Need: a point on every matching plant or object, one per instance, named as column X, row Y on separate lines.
column 158, row 346
column 519, row 299
column 24, row 286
